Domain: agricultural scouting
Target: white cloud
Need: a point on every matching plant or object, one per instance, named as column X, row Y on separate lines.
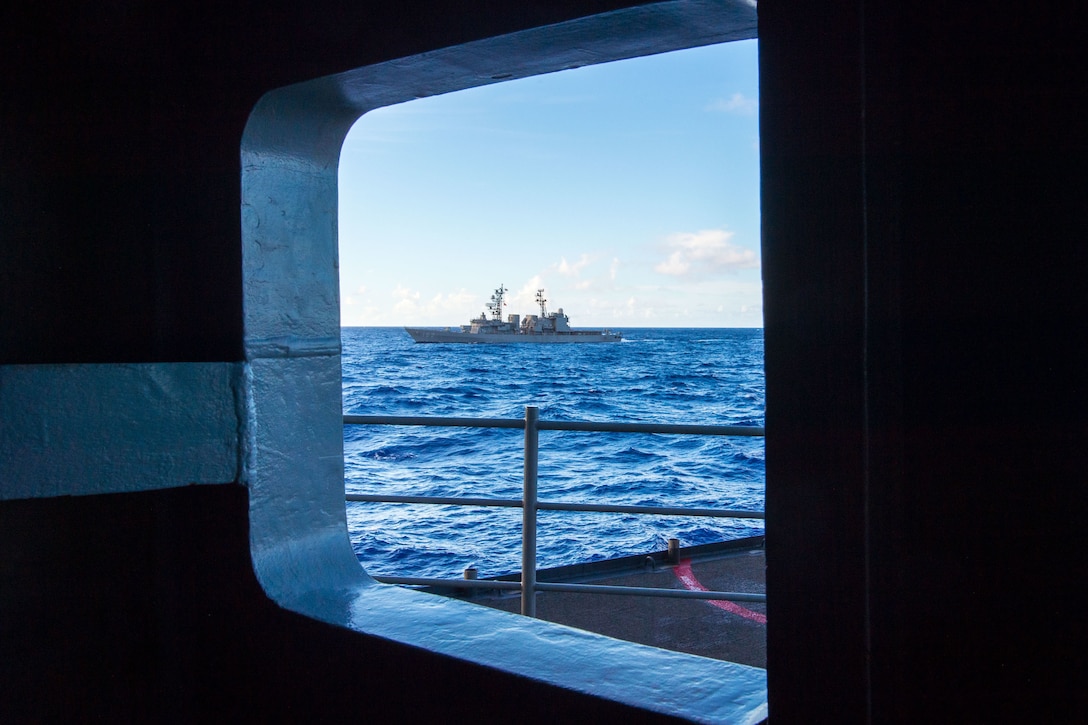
column 355, row 298
column 403, row 293
column 569, row 269
column 705, row 252
column 523, row 301
column 737, row 103
column 412, row 307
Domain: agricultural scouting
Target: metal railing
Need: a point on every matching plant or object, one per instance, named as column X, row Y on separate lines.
column 530, row 504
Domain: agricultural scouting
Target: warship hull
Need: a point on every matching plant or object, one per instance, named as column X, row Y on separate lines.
column 420, row 334
column 547, row 328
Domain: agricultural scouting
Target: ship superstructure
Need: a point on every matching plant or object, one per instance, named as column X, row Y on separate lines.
column 490, row 328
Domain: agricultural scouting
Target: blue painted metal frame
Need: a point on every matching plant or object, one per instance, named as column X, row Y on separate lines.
column 290, row 418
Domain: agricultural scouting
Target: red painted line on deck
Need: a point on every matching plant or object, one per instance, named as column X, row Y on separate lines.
column 687, row 577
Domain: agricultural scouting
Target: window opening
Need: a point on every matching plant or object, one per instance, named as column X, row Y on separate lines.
column 628, row 193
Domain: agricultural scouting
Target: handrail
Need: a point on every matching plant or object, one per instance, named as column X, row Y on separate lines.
column 529, row 503
column 574, row 425
column 559, row 506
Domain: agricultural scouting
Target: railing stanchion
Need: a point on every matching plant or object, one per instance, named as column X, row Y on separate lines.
column 528, row 514
column 531, row 504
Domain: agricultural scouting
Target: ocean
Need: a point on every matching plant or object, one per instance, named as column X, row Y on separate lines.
column 705, row 376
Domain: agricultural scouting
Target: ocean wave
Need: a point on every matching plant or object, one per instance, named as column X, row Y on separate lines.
column 673, row 376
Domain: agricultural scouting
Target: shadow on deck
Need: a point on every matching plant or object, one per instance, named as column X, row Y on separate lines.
column 735, row 632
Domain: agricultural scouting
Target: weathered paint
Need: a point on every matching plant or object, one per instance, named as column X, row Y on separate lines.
column 73, row 430
column 687, row 577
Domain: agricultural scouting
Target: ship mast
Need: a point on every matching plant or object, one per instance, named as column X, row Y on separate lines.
column 540, row 301
column 495, row 305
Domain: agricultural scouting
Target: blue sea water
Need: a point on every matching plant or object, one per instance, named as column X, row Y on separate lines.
column 708, row 376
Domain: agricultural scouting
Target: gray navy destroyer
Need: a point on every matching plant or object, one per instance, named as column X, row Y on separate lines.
column 547, row 327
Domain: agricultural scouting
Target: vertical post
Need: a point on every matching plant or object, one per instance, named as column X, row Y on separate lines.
column 528, row 514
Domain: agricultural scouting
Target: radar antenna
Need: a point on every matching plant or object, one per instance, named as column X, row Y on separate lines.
column 541, row 301
column 495, row 305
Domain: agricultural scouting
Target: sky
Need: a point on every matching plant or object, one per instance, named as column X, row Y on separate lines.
column 628, row 191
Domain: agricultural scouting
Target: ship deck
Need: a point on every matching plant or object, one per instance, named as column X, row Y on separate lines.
column 735, row 632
